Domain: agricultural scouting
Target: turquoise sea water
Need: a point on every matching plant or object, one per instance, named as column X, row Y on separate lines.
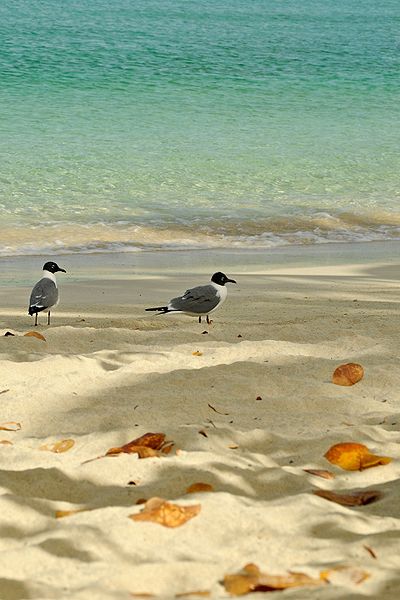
column 137, row 124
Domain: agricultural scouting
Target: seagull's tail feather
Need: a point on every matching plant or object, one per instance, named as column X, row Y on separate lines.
column 33, row 310
column 160, row 309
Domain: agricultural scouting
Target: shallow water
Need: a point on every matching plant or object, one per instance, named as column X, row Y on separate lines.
column 177, row 124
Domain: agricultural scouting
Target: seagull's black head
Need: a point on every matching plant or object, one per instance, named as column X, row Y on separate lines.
column 221, row 279
column 52, row 267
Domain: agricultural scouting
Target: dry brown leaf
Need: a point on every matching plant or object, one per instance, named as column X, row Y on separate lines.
column 59, row 447
column 166, row 513
column 6, row 443
column 197, row 353
column 348, row 374
column 145, row 446
column 199, row 487
column 203, row 433
column 217, row 411
column 354, row 457
column 233, row 446
column 320, row 473
column 353, row 499
column 10, row 426
column 155, row 441
column 35, row 334
column 344, row 575
column 59, row 514
column 251, row 579
column 258, row 398
column 370, row 551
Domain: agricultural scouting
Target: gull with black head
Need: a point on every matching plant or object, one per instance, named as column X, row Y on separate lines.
column 45, row 292
column 199, row 301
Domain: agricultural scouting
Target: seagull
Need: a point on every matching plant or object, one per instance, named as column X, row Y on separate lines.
column 201, row 300
column 45, row 293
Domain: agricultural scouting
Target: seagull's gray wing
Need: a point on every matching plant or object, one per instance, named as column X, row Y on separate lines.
column 44, row 295
column 199, row 300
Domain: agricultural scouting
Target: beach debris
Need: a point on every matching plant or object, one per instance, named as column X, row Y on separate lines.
column 320, row 473
column 251, row 579
column 58, row 447
column 233, row 446
column 9, row 334
column 218, row 411
column 344, row 575
column 10, row 426
column 201, row 593
column 35, row 334
column 204, row 332
column 141, row 595
column 146, row 446
column 158, row 510
column 354, row 499
column 6, row 443
column 354, row 457
column 199, row 487
column 197, row 353
column 259, row 398
column 370, row 551
column 203, row 433
column 4, row 391
column 60, row 514
column 348, row 374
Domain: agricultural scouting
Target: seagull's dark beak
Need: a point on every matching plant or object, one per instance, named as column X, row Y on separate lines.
column 62, row 270
column 230, row 280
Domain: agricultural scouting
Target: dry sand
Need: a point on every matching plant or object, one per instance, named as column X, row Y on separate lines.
column 108, row 372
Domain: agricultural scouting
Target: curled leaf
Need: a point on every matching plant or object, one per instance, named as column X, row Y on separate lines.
column 166, row 513
column 199, row 487
column 353, row 499
column 6, row 443
column 320, row 473
column 154, row 441
column 354, row 457
column 197, row 353
column 10, row 426
column 35, row 334
column 251, row 579
column 348, row 374
column 59, row 447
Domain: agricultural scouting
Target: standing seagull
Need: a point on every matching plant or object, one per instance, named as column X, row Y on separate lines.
column 45, row 293
column 201, row 300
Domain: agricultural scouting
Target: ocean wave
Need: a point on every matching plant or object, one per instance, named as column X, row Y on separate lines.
column 226, row 232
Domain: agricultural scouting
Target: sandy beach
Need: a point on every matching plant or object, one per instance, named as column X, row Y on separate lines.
column 248, row 402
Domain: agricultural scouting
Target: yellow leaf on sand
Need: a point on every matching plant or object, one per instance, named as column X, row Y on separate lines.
column 58, row 447
column 6, row 443
column 35, row 334
column 166, row 513
column 354, row 457
column 151, row 441
column 197, row 353
column 251, row 579
column 10, row 426
column 67, row 513
column 199, row 487
column 348, row 374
